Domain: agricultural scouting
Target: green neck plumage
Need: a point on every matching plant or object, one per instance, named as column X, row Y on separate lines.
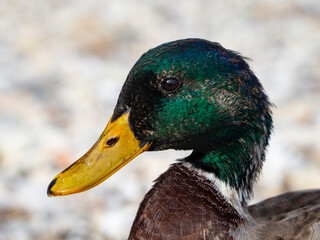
column 237, row 164
column 234, row 153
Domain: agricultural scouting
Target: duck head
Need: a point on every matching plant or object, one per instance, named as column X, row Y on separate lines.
column 189, row 94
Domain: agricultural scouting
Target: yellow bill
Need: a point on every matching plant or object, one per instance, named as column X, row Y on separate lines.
column 116, row 147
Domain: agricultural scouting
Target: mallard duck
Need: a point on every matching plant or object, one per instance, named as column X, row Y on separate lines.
column 193, row 94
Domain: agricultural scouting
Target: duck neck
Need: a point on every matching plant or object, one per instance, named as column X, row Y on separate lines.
column 236, row 165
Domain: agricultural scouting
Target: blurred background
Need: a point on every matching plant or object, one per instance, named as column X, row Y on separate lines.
column 62, row 65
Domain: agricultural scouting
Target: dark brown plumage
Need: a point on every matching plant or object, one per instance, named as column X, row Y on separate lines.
column 184, row 205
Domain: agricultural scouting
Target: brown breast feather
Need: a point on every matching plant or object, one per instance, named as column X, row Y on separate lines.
column 184, row 205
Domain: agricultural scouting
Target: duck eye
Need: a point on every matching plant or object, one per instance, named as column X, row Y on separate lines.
column 170, row 84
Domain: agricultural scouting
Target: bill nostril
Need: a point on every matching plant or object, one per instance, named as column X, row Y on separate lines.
column 112, row 141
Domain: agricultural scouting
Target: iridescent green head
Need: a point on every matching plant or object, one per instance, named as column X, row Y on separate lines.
column 188, row 94
column 195, row 94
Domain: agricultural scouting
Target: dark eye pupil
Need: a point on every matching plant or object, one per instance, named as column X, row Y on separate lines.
column 170, row 84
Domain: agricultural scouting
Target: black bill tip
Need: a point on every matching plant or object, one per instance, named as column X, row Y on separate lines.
column 49, row 192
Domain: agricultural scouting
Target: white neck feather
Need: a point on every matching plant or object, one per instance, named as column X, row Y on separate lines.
column 235, row 198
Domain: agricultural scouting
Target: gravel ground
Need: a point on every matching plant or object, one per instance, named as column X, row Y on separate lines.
column 62, row 65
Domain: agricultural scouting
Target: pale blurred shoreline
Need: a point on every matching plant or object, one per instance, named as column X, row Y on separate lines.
column 62, row 65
